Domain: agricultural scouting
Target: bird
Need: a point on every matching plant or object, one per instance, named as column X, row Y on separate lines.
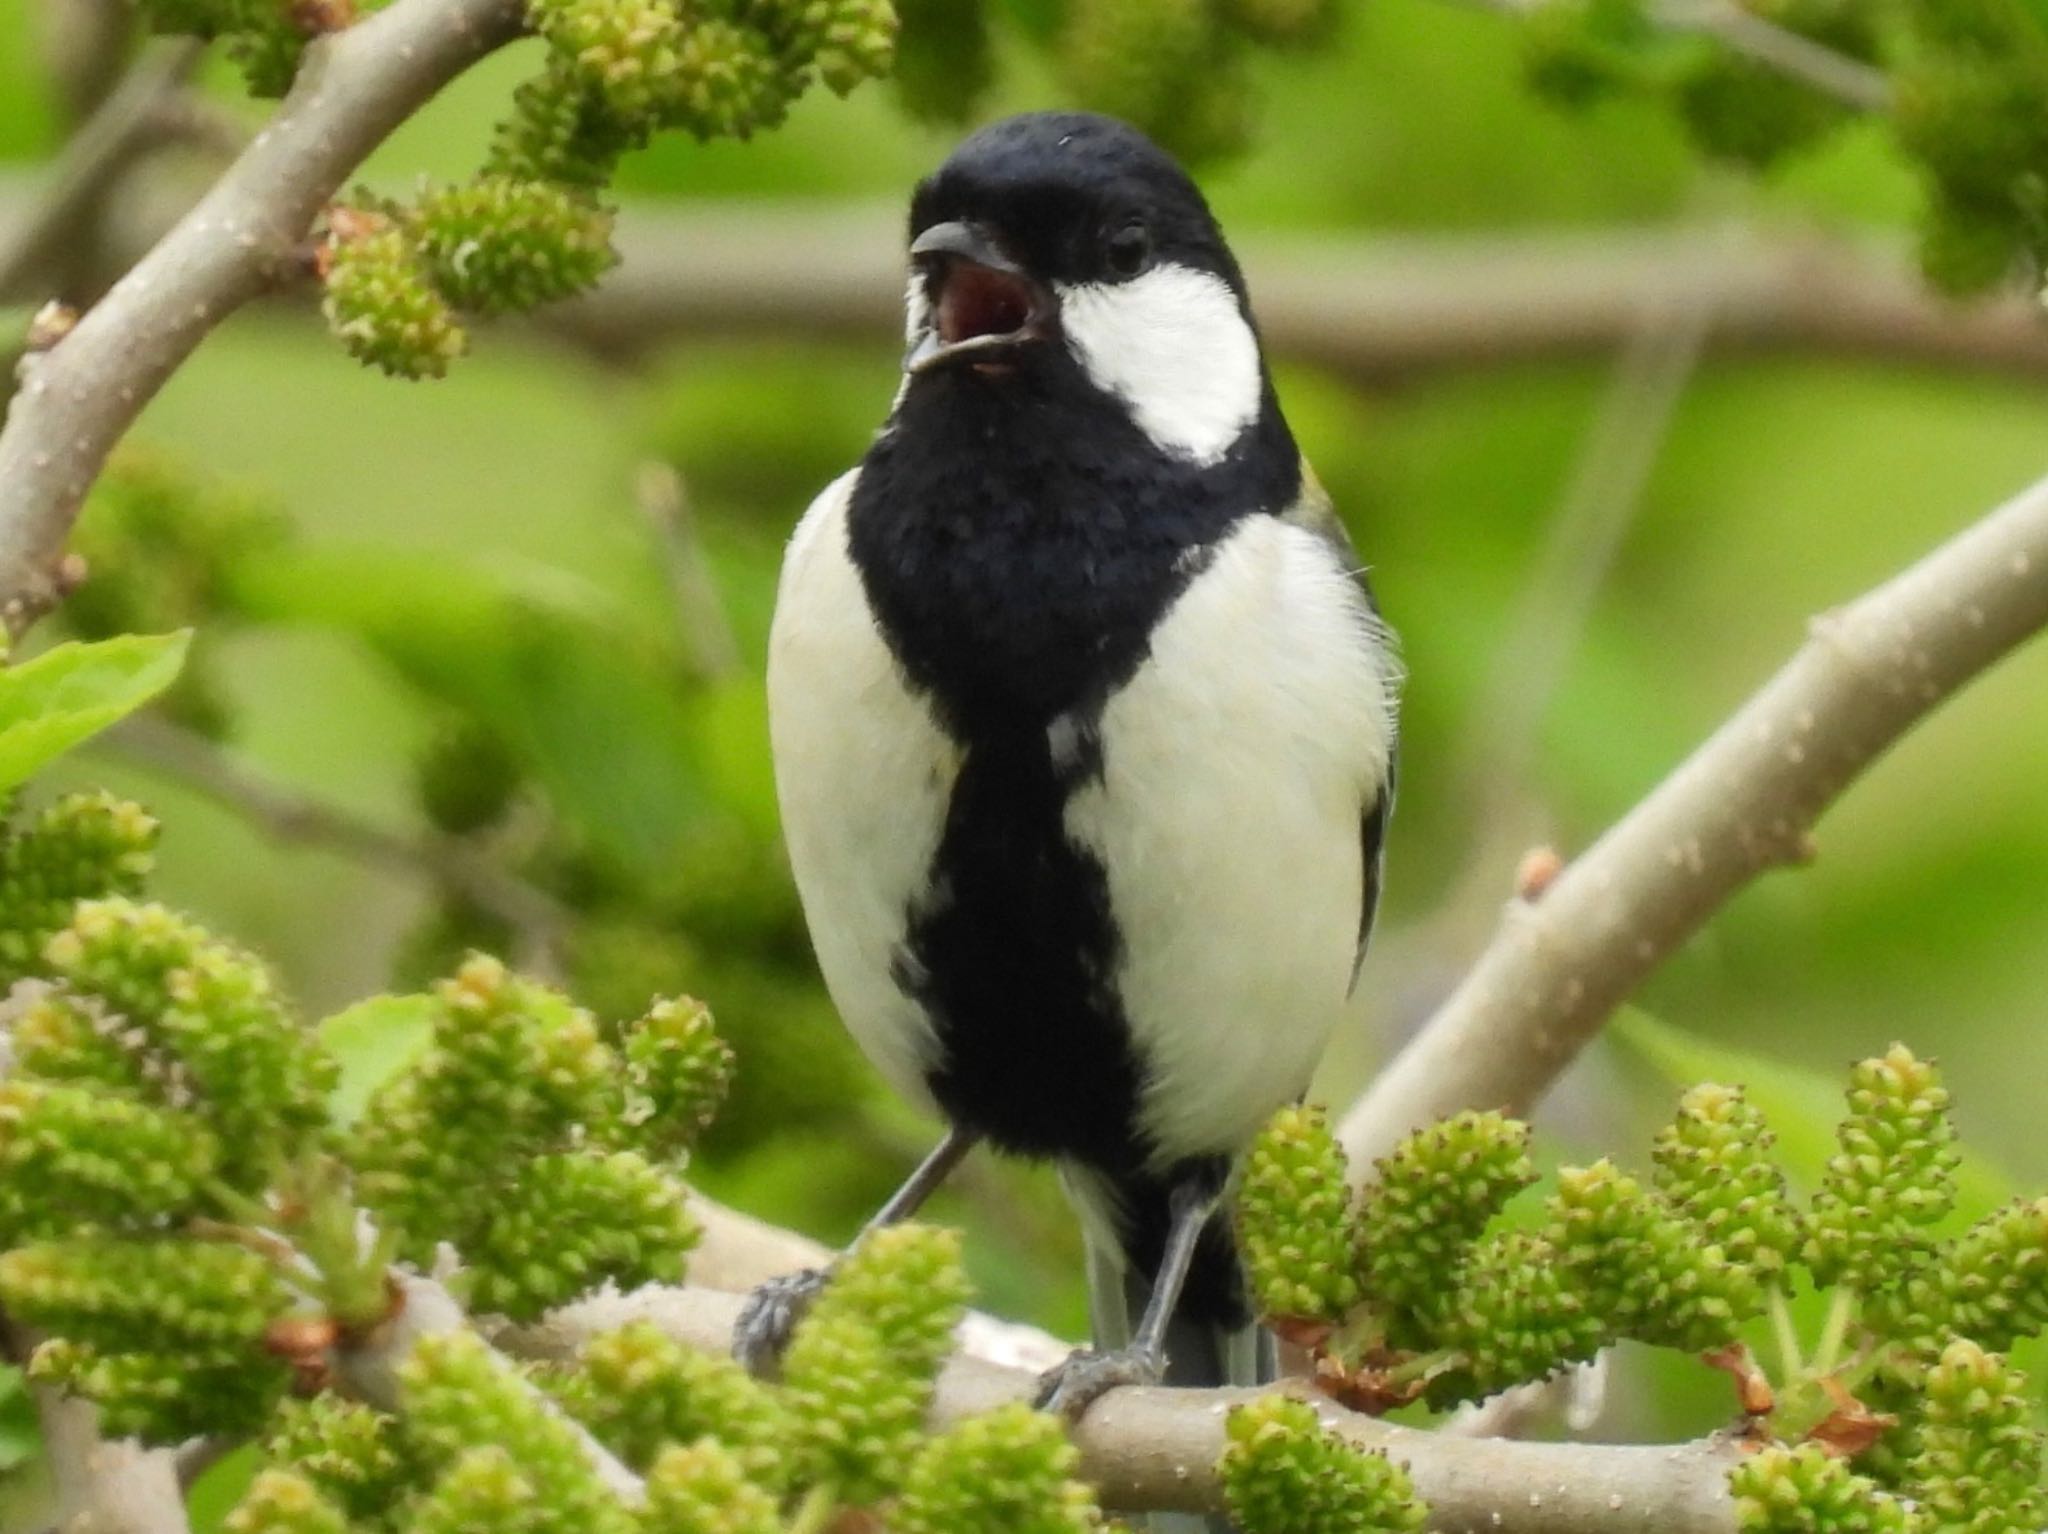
column 1084, row 728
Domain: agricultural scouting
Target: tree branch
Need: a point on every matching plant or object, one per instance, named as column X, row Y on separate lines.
column 1744, row 802
column 126, row 126
column 1368, row 308
column 289, row 815
column 76, row 400
column 1156, row 1449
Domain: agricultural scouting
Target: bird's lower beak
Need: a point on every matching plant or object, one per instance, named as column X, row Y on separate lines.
column 983, row 303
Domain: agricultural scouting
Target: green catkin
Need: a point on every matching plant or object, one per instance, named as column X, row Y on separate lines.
column 1806, row 1490
column 562, row 130
column 473, row 1418
column 483, row 1489
column 382, row 305
column 1978, row 1469
column 84, row 846
column 625, row 50
column 678, row 1072
column 1644, row 1268
column 637, row 1390
column 1138, row 59
column 285, row 1502
column 1713, row 1163
column 727, row 82
column 468, row 778
column 60, row 1037
column 1294, row 1219
column 945, row 59
column 702, row 1488
column 1011, row 1469
column 1282, row 1473
column 500, row 244
column 1515, row 1315
column 73, row 1157
column 574, row 1221
column 1893, row 1176
column 353, row 1456
column 1434, row 1195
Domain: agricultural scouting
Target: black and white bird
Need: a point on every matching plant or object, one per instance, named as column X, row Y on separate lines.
column 1084, row 728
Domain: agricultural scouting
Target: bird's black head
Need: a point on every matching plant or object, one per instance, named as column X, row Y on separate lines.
column 1069, row 248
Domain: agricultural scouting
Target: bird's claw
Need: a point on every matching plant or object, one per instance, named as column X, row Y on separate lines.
column 770, row 1316
column 1069, row 1388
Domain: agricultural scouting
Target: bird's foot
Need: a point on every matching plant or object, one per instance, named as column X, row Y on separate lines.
column 770, row 1316
column 1070, row 1388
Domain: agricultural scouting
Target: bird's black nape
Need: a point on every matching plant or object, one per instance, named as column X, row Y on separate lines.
column 1076, row 197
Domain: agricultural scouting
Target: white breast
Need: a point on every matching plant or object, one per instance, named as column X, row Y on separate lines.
column 864, row 775
column 1237, row 764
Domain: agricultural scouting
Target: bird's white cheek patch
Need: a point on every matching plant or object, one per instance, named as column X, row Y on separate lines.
column 1173, row 345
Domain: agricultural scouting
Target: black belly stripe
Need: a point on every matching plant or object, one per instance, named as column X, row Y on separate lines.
column 1019, row 539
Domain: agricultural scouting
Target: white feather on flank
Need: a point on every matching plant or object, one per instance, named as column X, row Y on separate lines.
column 863, row 774
column 1174, row 347
column 1237, row 764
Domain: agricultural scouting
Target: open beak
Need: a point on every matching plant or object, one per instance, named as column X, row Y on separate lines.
column 983, row 303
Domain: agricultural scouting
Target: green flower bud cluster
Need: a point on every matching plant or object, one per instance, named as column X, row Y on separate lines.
column 165, row 1334
column 207, row 1018
column 265, row 37
column 382, row 305
column 521, row 1099
column 1283, row 1472
column 1713, row 1163
column 1644, row 1266
column 81, row 847
column 945, row 59
column 1172, row 67
column 1012, row 1469
column 702, row 1488
column 1515, row 1314
column 1294, row 1218
column 354, row 1458
column 396, row 278
column 279, row 1502
column 1894, row 1175
column 858, row 1374
column 503, row 1454
column 1978, row 1469
column 1806, row 1490
column 74, row 1157
column 1433, row 1197
column 637, row 1391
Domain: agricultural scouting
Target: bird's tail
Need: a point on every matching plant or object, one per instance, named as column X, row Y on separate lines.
column 1212, row 1339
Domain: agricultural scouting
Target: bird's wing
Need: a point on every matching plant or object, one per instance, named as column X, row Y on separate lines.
column 1314, row 510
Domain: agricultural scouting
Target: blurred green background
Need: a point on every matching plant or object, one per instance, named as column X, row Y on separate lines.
column 464, row 586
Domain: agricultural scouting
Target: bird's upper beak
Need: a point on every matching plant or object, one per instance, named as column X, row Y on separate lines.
column 983, row 303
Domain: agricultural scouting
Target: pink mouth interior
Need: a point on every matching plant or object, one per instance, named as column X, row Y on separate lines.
column 977, row 301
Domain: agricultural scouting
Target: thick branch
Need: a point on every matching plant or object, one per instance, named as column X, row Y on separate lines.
column 76, row 400
column 105, row 1487
column 1744, row 802
column 1370, row 308
column 1157, row 1449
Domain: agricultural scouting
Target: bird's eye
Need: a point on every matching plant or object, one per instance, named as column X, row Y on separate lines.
column 1129, row 250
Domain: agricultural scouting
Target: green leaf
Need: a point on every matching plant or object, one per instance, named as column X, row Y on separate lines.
column 72, row 692
column 373, row 1041
column 1802, row 1105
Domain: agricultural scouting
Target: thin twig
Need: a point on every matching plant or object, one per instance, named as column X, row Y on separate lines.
column 291, row 815
column 1792, row 54
column 1743, row 803
column 77, row 399
column 127, row 125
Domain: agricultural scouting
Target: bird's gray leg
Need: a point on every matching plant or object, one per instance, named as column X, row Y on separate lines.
column 773, row 1309
column 1070, row 1388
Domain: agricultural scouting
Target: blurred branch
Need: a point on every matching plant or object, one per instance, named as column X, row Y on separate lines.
column 126, row 126
column 290, row 815
column 84, row 44
column 1370, row 308
column 77, row 399
column 713, row 651
column 1744, row 802
column 1741, row 30
column 1156, row 1449
column 102, row 1487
